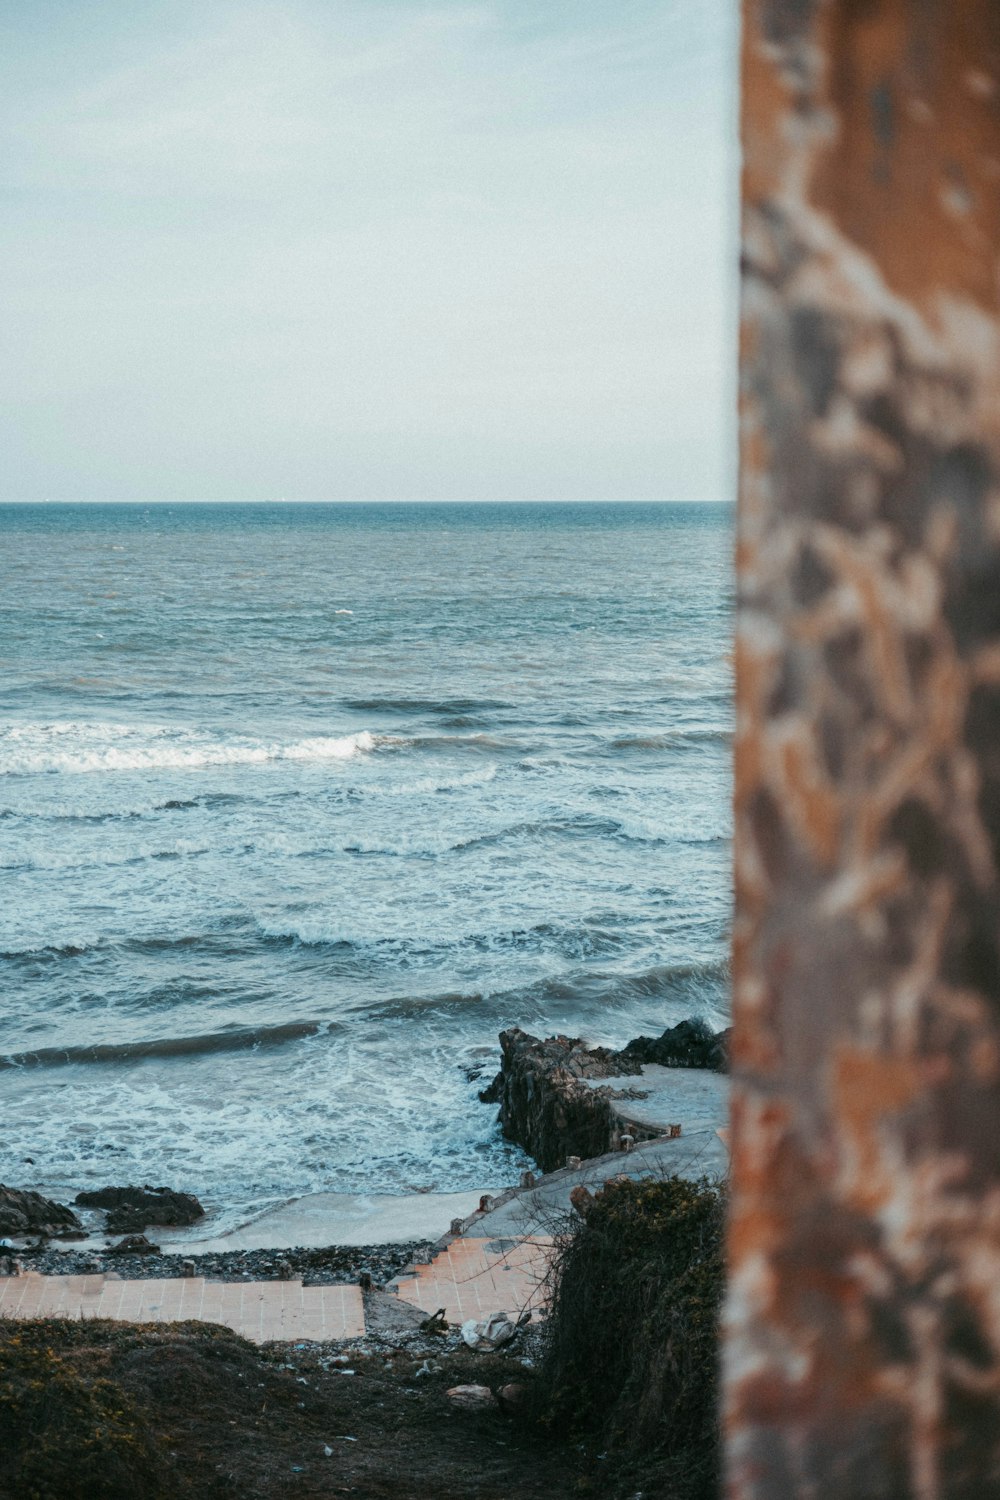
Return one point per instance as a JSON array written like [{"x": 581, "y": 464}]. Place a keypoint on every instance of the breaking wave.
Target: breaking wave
[
  {"x": 73, "y": 748},
  {"x": 236, "y": 1040}
]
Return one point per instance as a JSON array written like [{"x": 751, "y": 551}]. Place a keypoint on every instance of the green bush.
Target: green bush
[
  {"x": 632, "y": 1346},
  {"x": 68, "y": 1432}
]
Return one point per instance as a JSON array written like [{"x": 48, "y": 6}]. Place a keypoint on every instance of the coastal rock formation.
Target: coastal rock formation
[
  {"x": 131, "y": 1209},
  {"x": 689, "y": 1044},
  {"x": 544, "y": 1104},
  {"x": 548, "y": 1108},
  {"x": 24, "y": 1213}
]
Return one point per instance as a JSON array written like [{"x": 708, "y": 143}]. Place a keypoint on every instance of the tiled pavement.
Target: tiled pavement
[
  {"x": 259, "y": 1310},
  {"x": 469, "y": 1278}
]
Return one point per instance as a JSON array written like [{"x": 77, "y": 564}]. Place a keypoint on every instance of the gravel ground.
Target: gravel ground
[{"x": 324, "y": 1267}]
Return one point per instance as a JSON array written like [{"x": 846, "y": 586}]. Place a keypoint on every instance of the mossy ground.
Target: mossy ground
[{"x": 116, "y": 1411}]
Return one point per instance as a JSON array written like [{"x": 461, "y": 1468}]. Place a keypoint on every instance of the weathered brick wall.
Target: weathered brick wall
[{"x": 863, "y": 1322}]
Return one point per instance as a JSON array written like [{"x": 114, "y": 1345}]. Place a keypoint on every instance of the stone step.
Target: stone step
[{"x": 472, "y": 1278}]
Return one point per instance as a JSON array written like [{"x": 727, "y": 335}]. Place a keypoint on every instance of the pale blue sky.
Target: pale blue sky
[{"x": 367, "y": 249}]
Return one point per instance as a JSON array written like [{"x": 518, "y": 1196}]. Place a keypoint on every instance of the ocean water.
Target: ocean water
[{"x": 300, "y": 805}]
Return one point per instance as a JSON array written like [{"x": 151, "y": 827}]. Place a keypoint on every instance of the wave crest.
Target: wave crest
[
  {"x": 235, "y": 1040},
  {"x": 75, "y": 748}
]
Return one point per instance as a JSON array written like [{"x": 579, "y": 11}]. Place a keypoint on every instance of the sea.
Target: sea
[{"x": 300, "y": 805}]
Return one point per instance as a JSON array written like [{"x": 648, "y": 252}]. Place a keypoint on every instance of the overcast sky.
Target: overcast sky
[{"x": 367, "y": 249}]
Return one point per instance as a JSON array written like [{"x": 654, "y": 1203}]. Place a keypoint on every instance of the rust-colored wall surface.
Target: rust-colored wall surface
[{"x": 863, "y": 1321}]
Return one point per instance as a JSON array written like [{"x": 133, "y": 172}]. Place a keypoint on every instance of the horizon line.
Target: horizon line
[{"x": 731, "y": 500}]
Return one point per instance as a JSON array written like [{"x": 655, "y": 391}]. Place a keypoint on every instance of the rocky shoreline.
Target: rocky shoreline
[
  {"x": 552, "y": 1101},
  {"x": 330, "y": 1266}
]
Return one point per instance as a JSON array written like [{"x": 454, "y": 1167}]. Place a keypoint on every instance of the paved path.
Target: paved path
[
  {"x": 259, "y": 1310},
  {"x": 696, "y": 1097},
  {"x": 471, "y": 1278},
  {"x": 538, "y": 1211},
  {"x": 320, "y": 1219}
]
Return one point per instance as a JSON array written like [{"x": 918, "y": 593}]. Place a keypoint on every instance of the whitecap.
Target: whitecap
[{"x": 74, "y": 748}]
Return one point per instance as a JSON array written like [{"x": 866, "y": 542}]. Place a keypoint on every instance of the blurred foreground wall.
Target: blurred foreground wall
[{"x": 863, "y": 1338}]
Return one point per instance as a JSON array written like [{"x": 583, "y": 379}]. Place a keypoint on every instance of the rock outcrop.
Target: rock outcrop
[
  {"x": 134, "y": 1244},
  {"x": 131, "y": 1209},
  {"x": 544, "y": 1104},
  {"x": 25, "y": 1213},
  {"x": 548, "y": 1108},
  {"x": 689, "y": 1044}
]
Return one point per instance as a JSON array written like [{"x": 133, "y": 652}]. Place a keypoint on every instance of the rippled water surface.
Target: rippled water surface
[{"x": 299, "y": 805}]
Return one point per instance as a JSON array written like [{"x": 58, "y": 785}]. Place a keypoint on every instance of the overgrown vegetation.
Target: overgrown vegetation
[
  {"x": 97, "y": 1410},
  {"x": 632, "y": 1348},
  {"x": 67, "y": 1431}
]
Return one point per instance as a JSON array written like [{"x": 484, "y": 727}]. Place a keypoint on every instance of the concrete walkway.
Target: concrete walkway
[
  {"x": 474, "y": 1277},
  {"x": 538, "y": 1211},
  {"x": 469, "y": 1278},
  {"x": 692, "y": 1097},
  {"x": 259, "y": 1310},
  {"x": 320, "y": 1219}
]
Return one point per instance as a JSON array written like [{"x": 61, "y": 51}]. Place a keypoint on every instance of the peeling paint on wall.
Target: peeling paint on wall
[{"x": 863, "y": 1321}]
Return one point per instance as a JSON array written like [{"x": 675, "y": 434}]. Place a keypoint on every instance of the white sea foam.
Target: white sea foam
[
  {"x": 71, "y": 747},
  {"x": 68, "y": 859},
  {"x": 224, "y": 810},
  {"x": 286, "y": 1120}
]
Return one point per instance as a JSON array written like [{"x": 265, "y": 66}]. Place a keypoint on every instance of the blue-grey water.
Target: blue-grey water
[{"x": 299, "y": 805}]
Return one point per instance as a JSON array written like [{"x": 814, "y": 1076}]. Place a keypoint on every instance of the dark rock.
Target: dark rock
[
  {"x": 548, "y": 1108},
  {"x": 130, "y": 1209},
  {"x": 134, "y": 1244},
  {"x": 23, "y": 1213},
  {"x": 493, "y": 1092},
  {"x": 545, "y": 1106},
  {"x": 689, "y": 1044},
  {"x": 512, "y": 1396}
]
